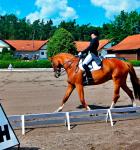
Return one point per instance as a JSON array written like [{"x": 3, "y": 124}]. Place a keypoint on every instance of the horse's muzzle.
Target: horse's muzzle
[{"x": 57, "y": 74}]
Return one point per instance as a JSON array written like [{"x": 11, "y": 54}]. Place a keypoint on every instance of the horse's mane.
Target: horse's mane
[
  {"x": 64, "y": 54},
  {"x": 65, "y": 57}
]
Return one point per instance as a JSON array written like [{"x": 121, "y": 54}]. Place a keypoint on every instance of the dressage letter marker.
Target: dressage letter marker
[
  {"x": 7, "y": 136},
  {"x": 3, "y": 133}
]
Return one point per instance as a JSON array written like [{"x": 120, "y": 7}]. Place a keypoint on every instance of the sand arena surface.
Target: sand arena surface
[{"x": 41, "y": 92}]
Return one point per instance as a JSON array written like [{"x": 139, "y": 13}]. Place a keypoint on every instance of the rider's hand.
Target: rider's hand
[{"x": 80, "y": 54}]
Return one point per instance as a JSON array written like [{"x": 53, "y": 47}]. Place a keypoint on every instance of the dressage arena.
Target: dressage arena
[{"x": 40, "y": 92}]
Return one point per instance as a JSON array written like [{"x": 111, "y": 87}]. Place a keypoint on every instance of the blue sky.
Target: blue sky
[{"x": 95, "y": 12}]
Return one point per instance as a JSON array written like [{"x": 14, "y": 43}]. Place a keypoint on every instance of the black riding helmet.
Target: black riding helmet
[{"x": 95, "y": 32}]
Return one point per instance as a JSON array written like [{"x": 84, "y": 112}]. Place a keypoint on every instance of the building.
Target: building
[
  {"x": 3, "y": 44},
  {"x": 128, "y": 48},
  {"x": 102, "y": 49},
  {"x": 29, "y": 49},
  {"x": 37, "y": 49}
]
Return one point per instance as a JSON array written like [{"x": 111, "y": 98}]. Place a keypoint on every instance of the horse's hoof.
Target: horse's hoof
[
  {"x": 58, "y": 110},
  {"x": 134, "y": 104}
]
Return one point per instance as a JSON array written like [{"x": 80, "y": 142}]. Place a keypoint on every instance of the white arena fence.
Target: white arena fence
[{"x": 68, "y": 118}]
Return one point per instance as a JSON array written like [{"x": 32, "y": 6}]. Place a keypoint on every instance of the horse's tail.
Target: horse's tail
[{"x": 134, "y": 80}]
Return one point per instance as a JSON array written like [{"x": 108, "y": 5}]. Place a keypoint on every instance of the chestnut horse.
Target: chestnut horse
[{"x": 114, "y": 69}]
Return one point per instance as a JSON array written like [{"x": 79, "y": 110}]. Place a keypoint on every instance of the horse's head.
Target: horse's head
[
  {"x": 56, "y": 64},
  {"x": 61, "y": 60}
]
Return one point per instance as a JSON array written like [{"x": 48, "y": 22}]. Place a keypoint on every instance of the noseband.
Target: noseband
[{"x": 58, "y": 71}]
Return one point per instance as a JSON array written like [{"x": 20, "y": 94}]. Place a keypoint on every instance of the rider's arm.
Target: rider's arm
[{"x": 90, "y": 47}]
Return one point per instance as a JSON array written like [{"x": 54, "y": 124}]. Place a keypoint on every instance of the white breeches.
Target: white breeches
[{"x": 88, "y": 59}]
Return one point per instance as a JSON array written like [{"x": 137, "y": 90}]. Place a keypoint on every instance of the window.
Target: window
[{"x": 42, "y": 53}]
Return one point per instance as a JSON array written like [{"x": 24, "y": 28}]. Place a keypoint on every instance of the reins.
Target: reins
[{"x": 69, "y": 66}]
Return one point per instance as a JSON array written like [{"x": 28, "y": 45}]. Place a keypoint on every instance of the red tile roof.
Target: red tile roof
[
  {"x": 129, "y": 43},
  {"x": 34, "y": 45},
  {"x": 81, "y": 45},
  {"x": 26, "y": 45}
]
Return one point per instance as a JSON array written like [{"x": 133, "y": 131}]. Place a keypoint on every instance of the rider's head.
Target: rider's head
[{"x": 94, "y": 33}]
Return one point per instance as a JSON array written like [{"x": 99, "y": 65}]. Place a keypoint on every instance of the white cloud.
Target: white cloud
[
  {"x": 57, "y": 10},
  {"x": 113, "y": 7}
]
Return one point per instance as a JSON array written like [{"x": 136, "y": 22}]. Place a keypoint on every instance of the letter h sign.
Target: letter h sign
[
  {"x": 8, "y": 138},
  {"x": 4, "y": 132}
]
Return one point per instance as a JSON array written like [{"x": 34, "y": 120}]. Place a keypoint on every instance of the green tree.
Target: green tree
[
  {"x": 61, "y": 41},
  {"x": 81, "y": 33},
  {"x": 47, "y": 29},
  {"x": 23, "y": 30},
  {"x": 7, "y": 54},
  {"x": 70, "y": 26},
  {"x": 7, "y": 24},
  {"x": 124, "y": 24},
  {"x": 5, "y": 51}
]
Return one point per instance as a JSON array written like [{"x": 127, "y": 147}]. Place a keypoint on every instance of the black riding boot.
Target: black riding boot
[{"x": 88, "y": 78}]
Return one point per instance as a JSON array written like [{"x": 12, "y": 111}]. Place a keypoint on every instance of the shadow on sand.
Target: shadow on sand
[
  {"x": 24, "y": 148},
  {"x": 102, "y": 107}
]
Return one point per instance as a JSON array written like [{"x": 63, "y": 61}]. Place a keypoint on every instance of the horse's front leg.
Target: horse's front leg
[
  {"x": 80, "y": 91},
  {"x": 69, "y": 90}
]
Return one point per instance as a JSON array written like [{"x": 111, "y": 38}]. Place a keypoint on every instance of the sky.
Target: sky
[{"x": 95, "y": 12}]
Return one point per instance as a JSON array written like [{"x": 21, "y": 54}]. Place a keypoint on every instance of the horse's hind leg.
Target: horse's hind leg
[
  {"x": 129, "y": 93},
  {"x": 117, "y": 85},
  {"x": 69, "y": 90}
]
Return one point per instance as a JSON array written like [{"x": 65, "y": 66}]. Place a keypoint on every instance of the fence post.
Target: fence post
[
  {"x": 68, "y": 120},
  {"x": 110, "y": 117},
  {"x": 23, "y": 124}
]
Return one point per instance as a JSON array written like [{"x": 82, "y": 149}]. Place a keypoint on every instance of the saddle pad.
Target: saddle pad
[{"x": 92, "y": 66}]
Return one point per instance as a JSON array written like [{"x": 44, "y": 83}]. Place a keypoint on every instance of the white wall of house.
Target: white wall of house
[
  {"x": 2, "y": 45},
  {"x": 28, "y": 54},
  {"x": 43, "y": 52},
  {"x": 104, "y": 51},
  {"x": 40, "y": 54}
]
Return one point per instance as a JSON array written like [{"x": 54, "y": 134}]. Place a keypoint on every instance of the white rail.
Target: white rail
[{"x": 46, "y": 119}]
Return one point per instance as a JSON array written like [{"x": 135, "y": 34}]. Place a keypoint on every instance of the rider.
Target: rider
[{"x": 91, "y": 51}]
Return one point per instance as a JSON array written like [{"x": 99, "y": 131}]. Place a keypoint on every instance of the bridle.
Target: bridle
[{"x": 58, "y": 71}]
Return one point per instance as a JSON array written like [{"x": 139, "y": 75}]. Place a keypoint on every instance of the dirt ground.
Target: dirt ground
[{"x": 41, "y": 92}]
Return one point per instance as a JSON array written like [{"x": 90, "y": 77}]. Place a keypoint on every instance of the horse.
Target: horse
[{"x": 112, "y": 69}]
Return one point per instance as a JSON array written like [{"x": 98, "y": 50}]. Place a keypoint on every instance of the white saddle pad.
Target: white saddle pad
[{"x": 92, "y": 66}]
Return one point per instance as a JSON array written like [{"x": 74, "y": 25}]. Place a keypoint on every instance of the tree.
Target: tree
[
  {"x": 61, "y": 41},
  {"x": 7, "y": 54},
  {"x": 5, "y": 51},
  {"x": 81, "y": 33},
  {"x": 124, "y": 24},
  {"x": 23, "y": 30},
  {"x": 47, "y": 29},
  {"x": 70, "y": 26}
]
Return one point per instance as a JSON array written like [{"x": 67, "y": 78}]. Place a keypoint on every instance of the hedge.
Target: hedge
[
  {"x": 135, "y": 62},
  {"x": 26, "y": 64},
  {"x": 39, "y": 63}
]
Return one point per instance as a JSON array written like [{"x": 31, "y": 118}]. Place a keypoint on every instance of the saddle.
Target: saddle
[{"x": 92, "y": 66}]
